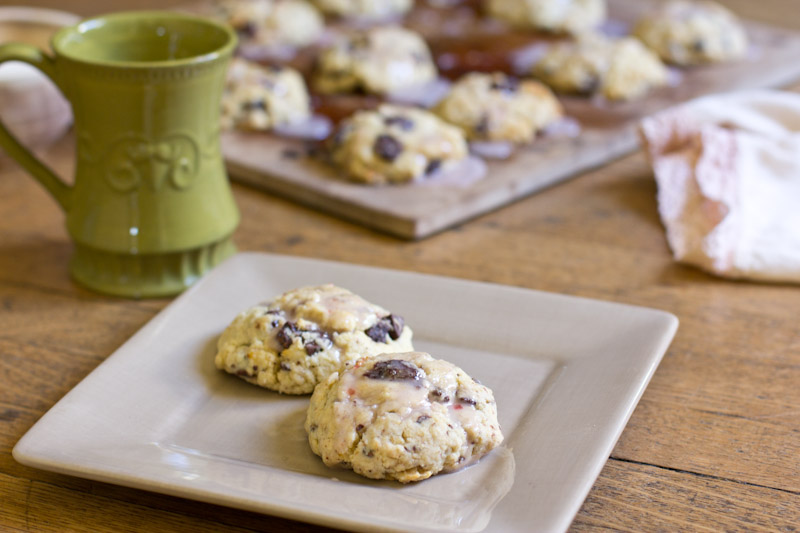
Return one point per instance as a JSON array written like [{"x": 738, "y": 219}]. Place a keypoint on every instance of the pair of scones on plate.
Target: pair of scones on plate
[{"x": 378, "y": 407}]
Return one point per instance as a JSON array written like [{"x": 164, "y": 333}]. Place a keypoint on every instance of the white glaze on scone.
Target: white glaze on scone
[
  {"x": 395, "y": 144},
  {"x": 619, "y": 69},
  {"x": 693, "y": 32},
  {"x": 379, "y": 60},
  {"x": 568, "y": 16},
  {"x": 260, "y": 98},
  {"x": 497, "y": 107},
  {"x": 272, "y": 23},
  {"x": 297, "y": 340},
  {"x": 402, "y": 416}
]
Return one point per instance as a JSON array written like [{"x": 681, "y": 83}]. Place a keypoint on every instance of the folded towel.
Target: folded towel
[{"x": 728, "y": 174}]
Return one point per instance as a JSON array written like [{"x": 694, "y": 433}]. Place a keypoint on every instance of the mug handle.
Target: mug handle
[{"x": 54, "y": 185}]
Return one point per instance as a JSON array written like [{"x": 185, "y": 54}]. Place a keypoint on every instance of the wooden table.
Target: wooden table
[{"x": 713, "y": 445}]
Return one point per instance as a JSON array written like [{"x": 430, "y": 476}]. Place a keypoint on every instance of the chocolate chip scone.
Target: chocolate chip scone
[
  {"x": 560, "y": 16},
  {"x": 260, "y": 98},
  {"x": 693, "y": 32},
  {"x": 380, "y": 60},
  {"x": 365, "y": 9},
  {"x": 402, "y": 416},
  {"x": 295, "y": 341},
  {"x": 272, "y": 23},
  {"x": 497, "y": 107},
  {"x": 619, "y": 69},
  {"x": 395, "y": 144}
]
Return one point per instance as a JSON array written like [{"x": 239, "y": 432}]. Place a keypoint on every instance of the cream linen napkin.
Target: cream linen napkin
[{"x": 728, "y": 174}]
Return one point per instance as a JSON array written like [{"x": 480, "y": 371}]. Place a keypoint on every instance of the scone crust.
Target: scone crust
[
  {"x": 403, "y": 417},
  {"x": 619, "y": 69},
  {"x": 693, "y": 33},
  {"x": 272, "y": 23},
  {"x": 379, "y": 60},
  {"x": 395, "y": 144},
  {"x": 365, "y": 9},
  {"x": 300, "y": 338},
  {"x": 561, "y": 16},
  {"x": 497, "y": 107},
  {"x": 260, "y": 98}
]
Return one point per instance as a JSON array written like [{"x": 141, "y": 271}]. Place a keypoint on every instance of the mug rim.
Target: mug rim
[{"x": 86, "y": 25}]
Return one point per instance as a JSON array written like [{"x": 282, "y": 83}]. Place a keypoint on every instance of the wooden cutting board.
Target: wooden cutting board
[{"x": 278, "y": 165}]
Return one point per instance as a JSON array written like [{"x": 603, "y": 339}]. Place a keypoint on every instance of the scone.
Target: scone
[
  {"x": 395, "y": 144},
  {"x": 259, "y": 98},
  {"x": 619, "y": 69},
  {"x": 560, "y": 16},
  {"x": 402, "y": 416},
  {"x": 365, "y": 9},
  {"x": 295, "y": 341},
  {"x": 380, "y": 60},
  {"x": 692, "y": 33},
  {"x": 272, "y": 23},
  {"x": 497, "y": 107}
]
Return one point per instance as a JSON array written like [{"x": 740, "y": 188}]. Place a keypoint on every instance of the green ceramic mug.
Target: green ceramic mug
[{"x": 151, "y": 208}]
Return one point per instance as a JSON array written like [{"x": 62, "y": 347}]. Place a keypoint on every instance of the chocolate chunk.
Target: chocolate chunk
[
  {"x": 405, "y": 124},
  {"x": 395, "y": 326},
  {"x": 394, "y": 370},
  {"x": 506, "y": 85},
  {"x": 247, "y": 30},
  {"x": 433, "y": 166},
  {"x": 422, "y": 418},
  {"x": 389, "y": 325},
  {"x": 286, "y": 334},
  {"x": 482, "y": 127},
  {"x": 275, "y": 323},
  {"x": 312, "y": 347},
  {"x": 359, "y": 428},
  {"x": 285, "y": 366},
  {"x": 387, "y": 147},
  {"x": 254, "y": 105},
  {"x": 468, "y": 401},
  {"x": 699, "y": 46},
  {"x": 590, "y": 84},
  {"x": 438, "y": 395},
  {"x": 242, "y": 373},
  {"x": 378, "y": 332}
]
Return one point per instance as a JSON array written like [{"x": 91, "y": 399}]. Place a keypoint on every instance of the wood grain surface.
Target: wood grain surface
[{"x": 714, "y": 444}]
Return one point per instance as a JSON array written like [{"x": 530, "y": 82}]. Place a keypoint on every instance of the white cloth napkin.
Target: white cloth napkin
[{"x": 728, "y": 173}]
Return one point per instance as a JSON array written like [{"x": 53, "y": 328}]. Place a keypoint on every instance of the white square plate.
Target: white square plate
[{"x": 567, "y": 373}]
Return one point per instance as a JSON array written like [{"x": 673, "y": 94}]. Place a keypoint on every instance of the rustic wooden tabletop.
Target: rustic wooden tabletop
[{"x": 714, "y": 443}]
